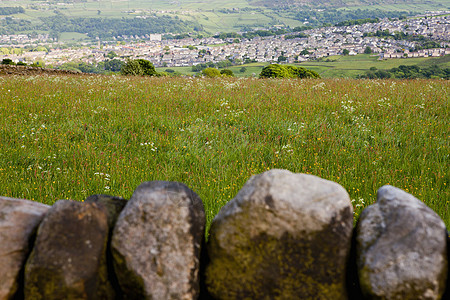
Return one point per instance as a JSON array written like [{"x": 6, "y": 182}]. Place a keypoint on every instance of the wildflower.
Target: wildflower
[{"x": 152, "y": 146}]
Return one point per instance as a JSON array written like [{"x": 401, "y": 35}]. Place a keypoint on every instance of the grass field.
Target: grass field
[
  {"x": 352, "y": 66},
  {"x": 337, "y": 66},
  {"x": 71, "y": 137},
  {"x": 72, "y": 37}
]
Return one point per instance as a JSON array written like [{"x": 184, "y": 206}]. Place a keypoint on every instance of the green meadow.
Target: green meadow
[
  {"x": 352, "y": 66},
  {"x": 336, "y": 66},
  {"x": 69, "y": 137}
]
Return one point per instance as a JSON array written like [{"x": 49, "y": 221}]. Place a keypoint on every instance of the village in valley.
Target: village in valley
[{"x": 383, "y": 39}]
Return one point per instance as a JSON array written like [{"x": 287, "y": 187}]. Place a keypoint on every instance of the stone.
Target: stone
[
  {"x": 401, "y": 248},
  {"x": 157, "y": 241},
  {"x": 68, "y": 260},
  {"x": 284, "y": 236},
  {"x": 447, "y": 285},
  {"x": 113, "y": 205},
  {"x": 19, "y": 220}
]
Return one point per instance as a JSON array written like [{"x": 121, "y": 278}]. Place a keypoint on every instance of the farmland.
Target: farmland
[
  {"x": 206, "y": 16},
  {"x": 69, "y": 137},
  {"x": 336, "y": 66}
]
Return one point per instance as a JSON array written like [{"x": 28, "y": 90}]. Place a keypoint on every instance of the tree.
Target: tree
[
  {"x": 345, "y": 52},
  {"x": 132, "y": 67},
  {"x": 368, "y": 50},
  {"x": 282, "y": 58},
  {"x": 382, "y": 74},
  {"x": 147, "y": 67},
  {"x": 304, "y": 73},
  {"x": 283, "y": 71},
  {"x": 211, "y": 72},
  {"x": 7, "y": 61},
  {"x": 304, "y": 52},
  {"x": 227, "y": 73},
  {"x": 111, "y": 55},
  {"x": 243, "y": 69},
  {"x": 275, "y": 71},
  {"x": 140, "y": 67},
  {"x": 114, "y": 65}
]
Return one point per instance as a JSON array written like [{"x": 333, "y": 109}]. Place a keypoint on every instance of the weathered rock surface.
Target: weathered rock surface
[
  {"x": 401, "y": 248},
  {"x": 157, "y": 240},
  {"x": 19, "y": 220},
  {"x": 447, "y": 289},
  {"x": 284, "y": 236},
  {"x": 68, "y": 260},
  {"x": 113, "y": 205}
]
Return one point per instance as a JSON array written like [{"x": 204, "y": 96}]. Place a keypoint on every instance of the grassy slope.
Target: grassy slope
[
  {"x": 71, "y": 137},
  {"x": 351, "y": 66},
  {"x": 338, "y": 66},
  {"x": 204, "y": 12}
]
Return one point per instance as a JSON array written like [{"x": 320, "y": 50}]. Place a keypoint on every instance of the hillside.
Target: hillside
[
  {"x": 68, "y": 137},
  {"x": 73, "y": 20}
]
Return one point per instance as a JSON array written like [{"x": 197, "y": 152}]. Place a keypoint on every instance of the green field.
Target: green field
[
  {"x": 72, "y": 37},
  {"x": 71, "y": 137},
  {"x": 337, "y": 66},
  {"x": 352, "y": 66}
]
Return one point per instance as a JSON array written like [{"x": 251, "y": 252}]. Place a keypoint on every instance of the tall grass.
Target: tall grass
[{"x": 71, "y": 137}]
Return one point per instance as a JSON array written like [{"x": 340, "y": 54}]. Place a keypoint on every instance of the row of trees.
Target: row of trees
[
  {"x": 8, "y": 10},
  {"x": 142, "y": 67},
  {"x": 9, "y": 25},
  {"x": 218, "y": 65},
  {"x": 213, "y": 72},
  {"x": 335, "y": 16},
  {"x": 262, "y": 33},
  {"x": 136, "y": 67},
  {"x": 358, "y": 22},
  {"x": 409, "y": 72},
  {"x": 8, "y": 61},
  {"x": 108, "y": 28},
  {"x": 104, "y": 28},
  {"x": 104, "y": 67}
]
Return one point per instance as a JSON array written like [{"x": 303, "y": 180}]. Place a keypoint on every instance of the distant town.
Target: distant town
[{"x": 388, "y": 39}]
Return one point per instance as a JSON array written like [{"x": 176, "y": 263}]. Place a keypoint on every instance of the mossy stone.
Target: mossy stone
[{"x": 263, "y": 245}]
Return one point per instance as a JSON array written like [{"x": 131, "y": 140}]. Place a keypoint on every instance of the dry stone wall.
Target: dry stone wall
[
  {"x": 27, "y": 70},
  {"x": 284, "y": 236}
]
